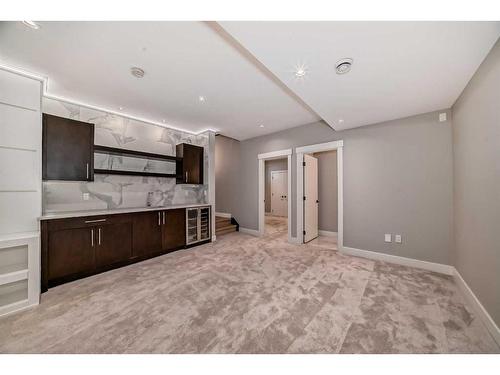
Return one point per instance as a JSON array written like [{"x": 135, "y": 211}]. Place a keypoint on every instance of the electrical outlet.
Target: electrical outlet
[
  {"x": 397, "y": 238},
  {"x": 86, "y": 196},
  {"x": 388, "y": 237}
]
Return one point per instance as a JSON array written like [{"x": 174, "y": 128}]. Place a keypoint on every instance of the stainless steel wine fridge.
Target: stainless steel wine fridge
[{"x": 197, "y": 224}]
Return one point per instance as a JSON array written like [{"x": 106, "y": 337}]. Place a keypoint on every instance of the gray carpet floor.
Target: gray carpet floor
[{"x": 244, "y": 294}]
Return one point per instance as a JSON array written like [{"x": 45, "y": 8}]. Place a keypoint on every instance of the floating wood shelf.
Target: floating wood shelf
[
  {"x": 134, "y": 154},
  {"x": 134, "y": 173},
  {"x": 138, "y": 154}
]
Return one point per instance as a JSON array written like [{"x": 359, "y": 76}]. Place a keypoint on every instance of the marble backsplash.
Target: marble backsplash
[{"x": 117, "y": 191}]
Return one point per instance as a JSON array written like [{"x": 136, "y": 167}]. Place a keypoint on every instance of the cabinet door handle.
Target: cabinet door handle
[
  {"x": 92, "y": 237},
  {"x": 163, "y": 217},
  {"x": 87, "y": 171},
  {"x": 94, "y": 221},
  {"x": 187, "y": 176},
  {"x": 99, "y": 236},
  {"x": 159, "y": 218}
]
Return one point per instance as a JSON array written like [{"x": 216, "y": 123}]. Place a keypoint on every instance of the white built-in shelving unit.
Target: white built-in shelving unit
[
  {"x": 19, "y": 271},
  {"x": 20, "y": 189}
]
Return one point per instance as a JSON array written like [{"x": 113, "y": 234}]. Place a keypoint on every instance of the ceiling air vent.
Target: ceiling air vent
[
  {"x": 137, "y": 72},
  {"x": 343, "y": 66}
]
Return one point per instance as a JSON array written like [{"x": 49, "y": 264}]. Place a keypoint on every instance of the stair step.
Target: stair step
[
  {"x": 225, "y": 230},
  {"x": 226, "y": 225},
  {"x": 222, "y": 223}
]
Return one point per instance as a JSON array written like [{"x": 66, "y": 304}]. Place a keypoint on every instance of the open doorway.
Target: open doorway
[
  {"x": 276, "y": 196},
  {"x": 326, "y": 201},
  {"x": 319, "y": 195},
  {"x": 274, "y": 191}
]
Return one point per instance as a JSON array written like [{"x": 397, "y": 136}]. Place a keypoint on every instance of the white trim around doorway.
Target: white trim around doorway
[
  {"x": 300, "y": 151},
  {"x": 262, "y": 171}
]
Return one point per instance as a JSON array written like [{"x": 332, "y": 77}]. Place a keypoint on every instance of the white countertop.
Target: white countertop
[{"x": 70, "y": 214}]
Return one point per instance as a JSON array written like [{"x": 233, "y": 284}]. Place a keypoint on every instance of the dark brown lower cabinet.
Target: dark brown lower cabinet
[
  {"x": 147, "y": 238},
  {"x": 71, "y": 252},
  {"x": 174, "y": 230},
  {"x": 113, "y": 243},
  {"x": 78, "y": 247}
]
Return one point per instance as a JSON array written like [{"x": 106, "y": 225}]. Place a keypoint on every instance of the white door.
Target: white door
[
  {"x": 311, "y": 198},
  {"x": 279, "y": 193}
]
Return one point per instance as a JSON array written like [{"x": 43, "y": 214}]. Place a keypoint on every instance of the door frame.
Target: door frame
[
  {"x": 273, "y": 172},
  {"x": 300, "y": 151},
  {"x": 261, "y": 181}
]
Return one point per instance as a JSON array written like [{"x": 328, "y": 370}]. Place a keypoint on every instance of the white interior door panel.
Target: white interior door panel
[
  {"x": 279, "y": 193},
  {"x": 311, "y": 198}
]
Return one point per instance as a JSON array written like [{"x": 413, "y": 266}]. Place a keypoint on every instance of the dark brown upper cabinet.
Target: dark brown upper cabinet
[
  {"x": 67, "y": 149},
  {"x": 190, "y": 168}
]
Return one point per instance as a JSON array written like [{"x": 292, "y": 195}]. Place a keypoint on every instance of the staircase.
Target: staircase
[{"x": 223, "y": 225}]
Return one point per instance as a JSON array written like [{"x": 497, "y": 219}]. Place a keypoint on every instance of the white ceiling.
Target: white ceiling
[
  {"x": 245, "y": 69},
  {"x": 90, "y": 62},
  {"x": 400, "y": 68}
]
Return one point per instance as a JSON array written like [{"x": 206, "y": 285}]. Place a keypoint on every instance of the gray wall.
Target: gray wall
[
  {"x": 397, "y": 179},
  {"x": 227, "y": 169},
  {"x": 476, "y": 157},
  {"x": 327, "y": 190},
  {"x": 272, "y": 165}
]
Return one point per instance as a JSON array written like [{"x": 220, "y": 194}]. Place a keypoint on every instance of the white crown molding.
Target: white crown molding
[
  {"x": 46, "y": 94},
  {"x": 25, "y": 73}
]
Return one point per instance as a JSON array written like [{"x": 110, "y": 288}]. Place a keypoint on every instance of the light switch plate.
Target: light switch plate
[
  {"x": 442, "y": 117},
  {"x": 388, "y": 237},
  {"x": 397, "y": 238},
  {"x": 86, "y": 196}
]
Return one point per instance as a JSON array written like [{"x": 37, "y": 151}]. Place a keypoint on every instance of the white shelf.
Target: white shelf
[
  {"x": 13, "y": 273},
  {"x": 14, "y": 292}
]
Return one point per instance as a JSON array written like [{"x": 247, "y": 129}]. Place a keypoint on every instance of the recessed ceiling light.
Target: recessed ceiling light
[
  {"x": 163, "y": 120},
  {"x": 137, "y": 72},
  {"x": 300, "y": 71},
  {"x": 202, "y": 98},
  {"x": 341, "y": 121},
  {"x": 31, "y": 24},
  {"x": 120, "y": 108},
  {"x": 343, "y": 66},
  {"x": 261, "y": 126}
]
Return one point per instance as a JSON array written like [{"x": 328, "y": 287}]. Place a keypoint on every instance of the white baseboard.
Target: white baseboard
[
  {"x": 429, "y": 266},
  {"x": 469, "y": 295},
  {"x": 251, "y": 232},
  {"x": 327, "y": 233},
  {"x": 477, "y": 306},
  {"x": 16, "y": 307},
  {"x": 223, "y": 214}
]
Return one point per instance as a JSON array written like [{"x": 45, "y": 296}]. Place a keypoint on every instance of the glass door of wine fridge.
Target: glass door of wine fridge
[
  {"x": 197, "y": 224},
  {"x": 204, "y": 223},
  {"x": 192, "y": 235}
]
